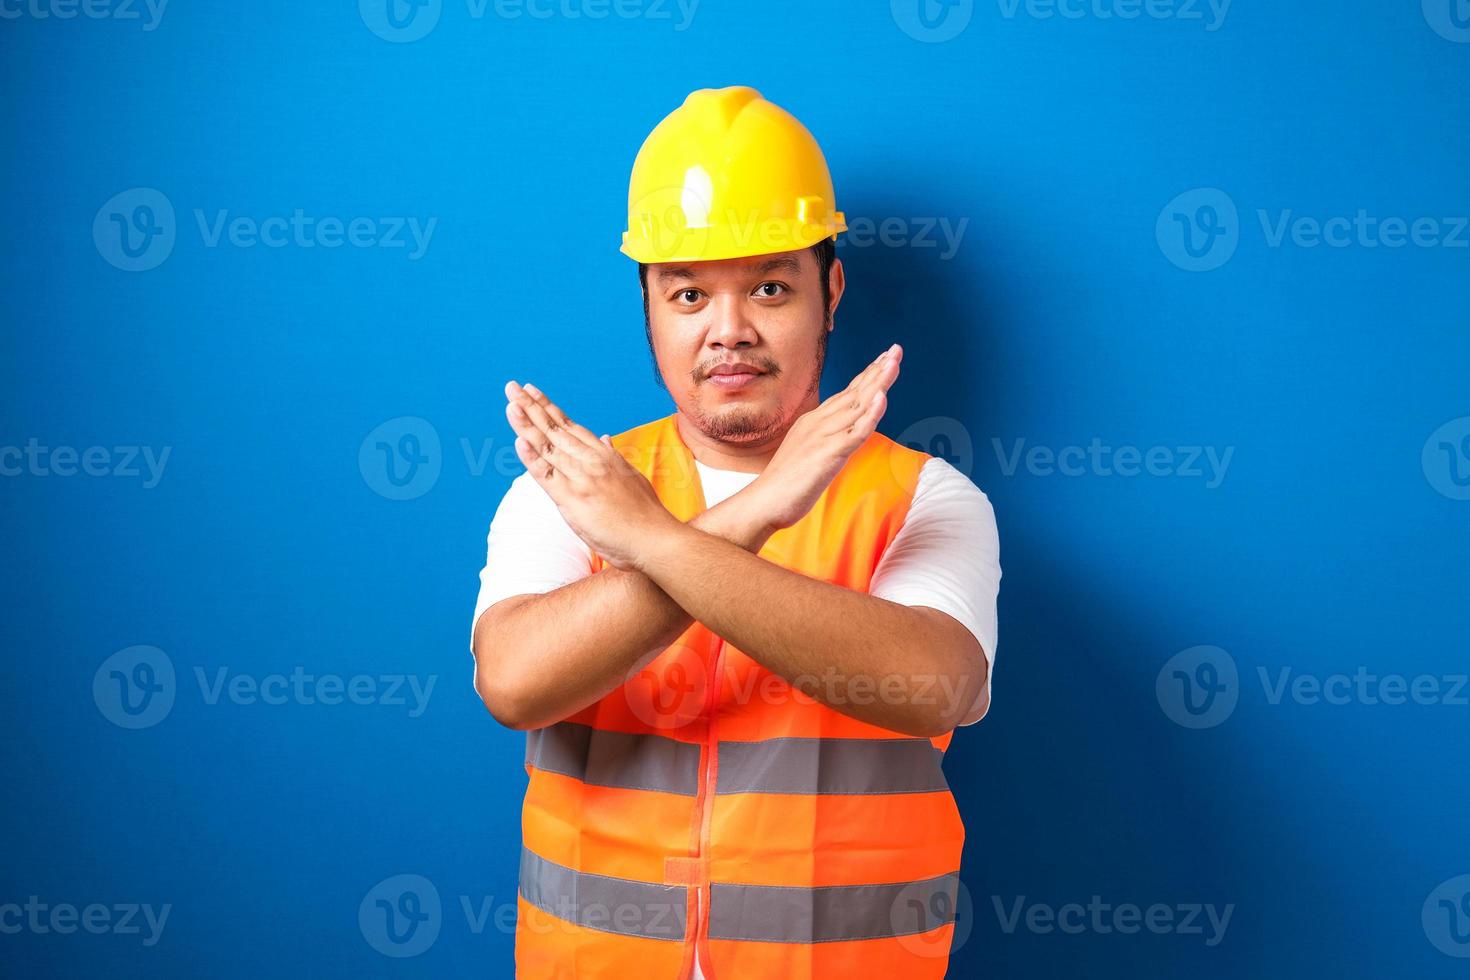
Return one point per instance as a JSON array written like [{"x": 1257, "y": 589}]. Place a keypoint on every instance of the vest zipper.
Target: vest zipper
[{"x": 706, "y": 808}]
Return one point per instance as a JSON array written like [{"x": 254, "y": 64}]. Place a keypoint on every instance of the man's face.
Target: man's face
[{"x": 740, "y": 342}]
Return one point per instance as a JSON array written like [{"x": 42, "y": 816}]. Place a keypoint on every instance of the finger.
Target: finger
[
  {"x": 867, "y": 420},
  {"x": 846, "y": 407},
  {"x": 887, "y": 372},
  {"x": 550, "y": 436},
  {"x": 540, "y": 456},
  {"x": 541, "y": 470},
  {"x": 587, "y": 461},
  {"x": 565, "y": 436},
  {"x": 881, "y": 379},
  {"x": 850, "y": 399},
  {"x": 875, "y": 365},
  {"x": 620, "y": 459},
  {"x": 554, "y": 411},
  {"x": 518, "y": 419},
  {"x": 881, "y": 372},
  {"x": 863, "y": 375},
  {"x": 527, "y": 430}
]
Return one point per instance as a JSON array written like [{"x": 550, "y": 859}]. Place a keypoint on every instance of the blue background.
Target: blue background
[{"x": 1063, "y": 317}]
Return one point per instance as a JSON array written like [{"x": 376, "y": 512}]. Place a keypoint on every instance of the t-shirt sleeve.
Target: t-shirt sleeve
[
  {"x": 530, "y": 548},
  {"x": 947, "y": 557}
]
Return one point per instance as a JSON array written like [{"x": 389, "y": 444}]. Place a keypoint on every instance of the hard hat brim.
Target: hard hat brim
[{"x": 729, "y": 241}]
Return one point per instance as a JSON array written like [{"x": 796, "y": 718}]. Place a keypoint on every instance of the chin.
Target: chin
[{"x": 738, "y": 422}]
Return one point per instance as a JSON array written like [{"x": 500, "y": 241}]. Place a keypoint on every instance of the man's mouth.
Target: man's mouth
[{"x": 734, "y": 377}]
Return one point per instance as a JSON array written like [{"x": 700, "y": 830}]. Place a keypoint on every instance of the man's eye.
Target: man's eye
[
  {"x": 770, "y": 290},
  {"x": 690, "y": 296}
]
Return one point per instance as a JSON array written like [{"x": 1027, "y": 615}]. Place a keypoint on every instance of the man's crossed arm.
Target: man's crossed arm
[{"x": 542, "y": 658}]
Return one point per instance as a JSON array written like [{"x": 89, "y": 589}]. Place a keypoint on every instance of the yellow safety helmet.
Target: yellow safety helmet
[{"x": 727, "y": 175}]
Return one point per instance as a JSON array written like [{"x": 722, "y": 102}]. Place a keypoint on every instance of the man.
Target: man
[{"x": 738, "y": 637}]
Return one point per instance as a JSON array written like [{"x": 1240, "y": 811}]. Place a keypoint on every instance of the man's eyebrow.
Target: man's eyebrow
[
  {"x": 784, "y": 263},
  {"x": 674, "y": 274},
  {"x": 679, "y": 273}
]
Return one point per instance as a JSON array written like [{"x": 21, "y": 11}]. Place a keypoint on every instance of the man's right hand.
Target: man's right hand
[{"x": 818, "y": 444}]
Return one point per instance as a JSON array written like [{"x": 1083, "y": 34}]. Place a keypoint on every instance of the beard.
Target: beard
[
  {"x": 740, "y": 424},
  {"x": 744, "y": 424}
]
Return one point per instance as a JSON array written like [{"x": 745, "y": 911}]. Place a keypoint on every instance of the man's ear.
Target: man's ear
[{"x": 838, "y": 284}]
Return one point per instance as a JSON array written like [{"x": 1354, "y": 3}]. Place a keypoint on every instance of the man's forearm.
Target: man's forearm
[
  {"x": 913, "y": 670},
  {"x": 541, "y": 658}
]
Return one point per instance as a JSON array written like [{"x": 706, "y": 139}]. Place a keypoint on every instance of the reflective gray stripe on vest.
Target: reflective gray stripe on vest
[
  {"x": 618, "y": 759},
  {"x": 620, "y": 905},
  {"x": 780, "y": 914},
  {"x": 831, "y": 765}
]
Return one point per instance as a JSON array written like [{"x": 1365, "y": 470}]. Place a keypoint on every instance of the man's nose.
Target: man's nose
[{"x": 732, "y": 326}]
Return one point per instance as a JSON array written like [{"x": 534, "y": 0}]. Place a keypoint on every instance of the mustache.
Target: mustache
[{"x": 763, "y": 364}]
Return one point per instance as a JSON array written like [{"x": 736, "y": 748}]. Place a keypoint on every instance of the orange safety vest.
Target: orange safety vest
[{"x": 708, "y": 808}]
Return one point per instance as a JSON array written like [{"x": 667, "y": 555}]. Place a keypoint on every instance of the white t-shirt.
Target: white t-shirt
[{"x": 945, "y": 556}]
